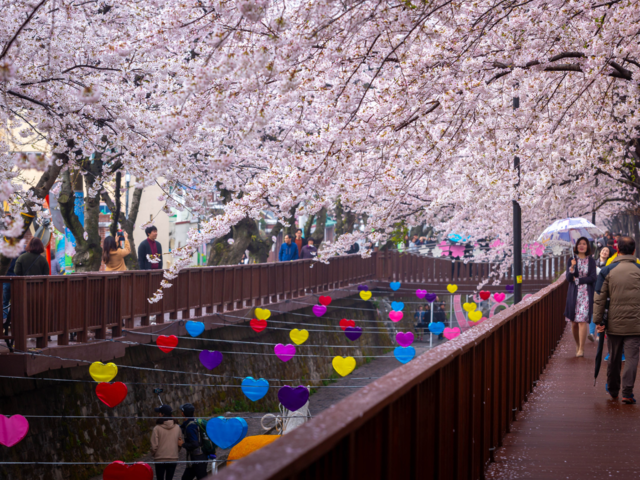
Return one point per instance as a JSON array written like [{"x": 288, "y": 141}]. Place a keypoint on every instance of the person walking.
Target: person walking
[
  {"x": 166, "y": 440},
  {"x": 300, "y": 242},
  {"x": 288, "y": 250},
  {"x": 193, "y": 444},
  {"x": 32, "y": 262},
  {"x": 112, "y": 256},
  {"x": 617, "y": 292},
  {"x": 581, "y": 275},
  {"x": 152, "y": 248},
  {"x": 601, "y": 262},
  {"x": 309, "y": 250},
  {"x": 419, "y": 326}
]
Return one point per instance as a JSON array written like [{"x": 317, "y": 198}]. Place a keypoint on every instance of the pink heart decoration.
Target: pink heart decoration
[
  {"x": 451, "y": 333},
  {"x": 319, "y": 310},
  {"x": 404, "y": 339},
  {"x": 499, "y": 297},
  {"x": 12, "y": 429},
  {"x": 421, "y": 293},
  {"x": 285, "y": 352},
  {"x": 395, "y": 316}
]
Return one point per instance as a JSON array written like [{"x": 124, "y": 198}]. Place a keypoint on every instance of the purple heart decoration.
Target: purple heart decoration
[
  {"x": 509, "y": 288},
  {"x": 353, "y": 333},
  {"x": 293, "y": 398},
  {"x": 210, "y": 359},
  {"x": 430, "y": 297},
  {"x": 284, "y": 352},
  {"x": 362, "y": 288},
  {"x": 404, "y": 339},
  {"x": 319, "y": 310},
  {"x": 421, "y": 293}
]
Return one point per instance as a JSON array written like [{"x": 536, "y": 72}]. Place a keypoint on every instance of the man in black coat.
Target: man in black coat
[{"x": 152, "y": 248}]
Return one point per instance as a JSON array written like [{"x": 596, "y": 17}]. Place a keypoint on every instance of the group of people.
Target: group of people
[
  {"x": 168, "y": 437},
  {"x": 605, "y": 290},
  {"x": 423, "y": 317},
  {"x": 149, "y": 251},
  {"x": 299, "y": 248}
]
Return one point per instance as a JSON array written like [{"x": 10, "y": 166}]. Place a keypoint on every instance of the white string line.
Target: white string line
[
  {"x": 106, "y": 417},
  {"x": 101, "y": 463}
]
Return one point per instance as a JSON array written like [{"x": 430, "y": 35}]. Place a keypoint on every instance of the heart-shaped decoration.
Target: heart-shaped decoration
[
  {"x": 210, "y": 360},
  {"x": 397, "y": 306},
  {"x": 284, "y": 352},
  {"x": 499, "y": 297},
  {"x": 430, "y": 297},
  {"x": 452, "y": 288},
  {"x": 475, "y": 315},
  {"x": 298, "y": 336},
  {"x": 344, "y": 323},
  {"x": 293, "y": 398},
  {"x": 436, "y": 328},
  {"x": 365, "y": 295},
  {"x": 421, "y": 293},
  {"x": 254, "y": 389},
  {"x": 121, "y": 471},
  {"x": 262, "y": 313},
  {"x": 194, "y": 328},
  {"x": 13, "y": 429},
  {"x": 257, "y": 325},
  {"x": 111, "y": 394},
  {"x": 319, "y": 310},
  {"x": 395, "y": 286},
  {"x": 404, "y": 339},
  {"x": 103, "y": 373},
  {"x": 404, "y": 354},
  {"x": 469, "y": 307},
  {"x": 343, "y": 365},
  {"x": 167, "y": 343},
  {"x": 451, "y": 333},
  {"x": 509, "y": 288},
  {"x": 325, "y": 300},
  {"x": 227, "y": 432},
  {"x": 362, "y": 288},
  {"x": 484, "y": 295},
  {"x": 353, "y": 333},
  {"x": 395, "y": 316}
]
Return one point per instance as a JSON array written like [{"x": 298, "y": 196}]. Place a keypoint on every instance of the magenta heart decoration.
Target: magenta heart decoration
[
  {"x": 13, "y": 429},
  {"x": 404, "y": 339},
  {"x": 293, "y": 398},
  {"x": 499, "y": 297},
  {"x": 210, "y": 359},
  {"x": 451, "y": 333},
  {"x": 421, "y": 293},
  {"x": 284, "y": 352},
  {"x": 430, "y": 297},
  {"x": 353, "y": 333},
  {"x": 319, "y": 310},
  {"x": 395, "y": 316}
]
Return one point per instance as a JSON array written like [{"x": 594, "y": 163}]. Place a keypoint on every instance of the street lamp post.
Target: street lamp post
[
  {"x": 517, "y": 231},
  {"x": 127, "y": 178}
]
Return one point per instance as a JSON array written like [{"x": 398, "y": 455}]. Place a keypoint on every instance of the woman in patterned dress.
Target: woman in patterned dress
[{"x": 581, "y": 275}]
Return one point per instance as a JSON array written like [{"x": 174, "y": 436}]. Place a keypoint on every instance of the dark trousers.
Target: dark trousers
[
  {"x": 165, "y": 471},
  {"x": 6, "y": 298},
  {"x": 196, "y": 470},
  {"x": 630, "y": 345}
]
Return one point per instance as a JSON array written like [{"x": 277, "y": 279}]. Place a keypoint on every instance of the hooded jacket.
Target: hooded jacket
[
  {"x": 619, "y": 282},
  {"x": 164, "y": 441}
]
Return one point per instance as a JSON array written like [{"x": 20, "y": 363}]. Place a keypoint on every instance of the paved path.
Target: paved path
[{"x": 570, "y": 429}]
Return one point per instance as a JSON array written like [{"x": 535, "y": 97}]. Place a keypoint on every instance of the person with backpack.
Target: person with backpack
[
  {"x": 32, "y": 262},
  {"x": 196, "y": 443},
  {"x": 166, "y": 440}
]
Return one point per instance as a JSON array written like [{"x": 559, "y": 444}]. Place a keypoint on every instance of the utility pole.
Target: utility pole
[
  {"x": 593, "y": 212},
  {"x": 127, "y": 178},
  {"x": 517, "y": 230}
]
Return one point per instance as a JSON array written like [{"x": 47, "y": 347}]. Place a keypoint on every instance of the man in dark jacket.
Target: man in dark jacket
[
  {"x": 618, "y": 284},
  {"x": 355, "y": 248},
  {"x": 152, "y": 248},
  {"x": 288, "y": 250},
  {"x": 6, "y": 289},
  {"x": 309, "y": 251},
  {"x": 193, "y": 445}
]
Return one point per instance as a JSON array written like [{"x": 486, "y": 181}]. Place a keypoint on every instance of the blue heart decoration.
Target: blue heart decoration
[
  {"x": 227, "y": 432},
  {"x": 397, "y": 306},
  {"x": 194, "y": 328},
  {"x": 436, "y": 327},
  {"x": 394, "y": 286},
  {"x": 404, "y": 354},
  {"x": 254, "y": 389}
]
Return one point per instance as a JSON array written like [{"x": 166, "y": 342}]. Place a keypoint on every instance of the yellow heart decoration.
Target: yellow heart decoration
[
  {"x": 475, "y": 316},
  {"x": 365, "y": 294},
  {"x": 452, "y": 288},
  {"x": 298, "y": 336},
  {"x": 344, "y": 365},
  {"x": 262, "y": 313},
  {"x": 469, "y": 307},
  {"x": 103, "y": 373}
]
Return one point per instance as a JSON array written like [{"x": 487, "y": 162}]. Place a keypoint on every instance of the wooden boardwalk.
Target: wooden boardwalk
[{"x": 570, "y": 429}]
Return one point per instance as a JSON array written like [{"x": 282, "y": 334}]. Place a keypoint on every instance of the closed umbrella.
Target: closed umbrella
[{"x": 601, "y": 344}]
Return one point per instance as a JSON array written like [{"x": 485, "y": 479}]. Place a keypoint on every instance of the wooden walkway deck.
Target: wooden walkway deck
[{"x": 570, "y": 429}]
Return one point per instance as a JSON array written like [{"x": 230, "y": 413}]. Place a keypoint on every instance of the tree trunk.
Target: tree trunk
[{"x": 321, "y": 223}]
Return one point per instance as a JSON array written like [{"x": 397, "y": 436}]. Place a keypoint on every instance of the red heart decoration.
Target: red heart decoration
[
  {"x": 344, "y": 323},
  {"x": 111, "y": 394},
  {"x": 324, "y": 301},
  {"x": 258, "y": 325},
  {"x": 120, "y": 471},
  {"x": 485, "y": 295},
  {"x": 166, "y": 344}
]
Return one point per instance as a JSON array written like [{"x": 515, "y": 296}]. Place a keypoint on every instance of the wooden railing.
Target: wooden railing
[
  {"x": 441, "y": 416},
  {"x": 84, "y": 304}
]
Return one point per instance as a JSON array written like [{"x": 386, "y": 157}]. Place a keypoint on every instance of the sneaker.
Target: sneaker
[
  {"x": 590, "y": 337},
  {"x": 629, "y": 400},
  {"x": 606, "y": 387}
]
